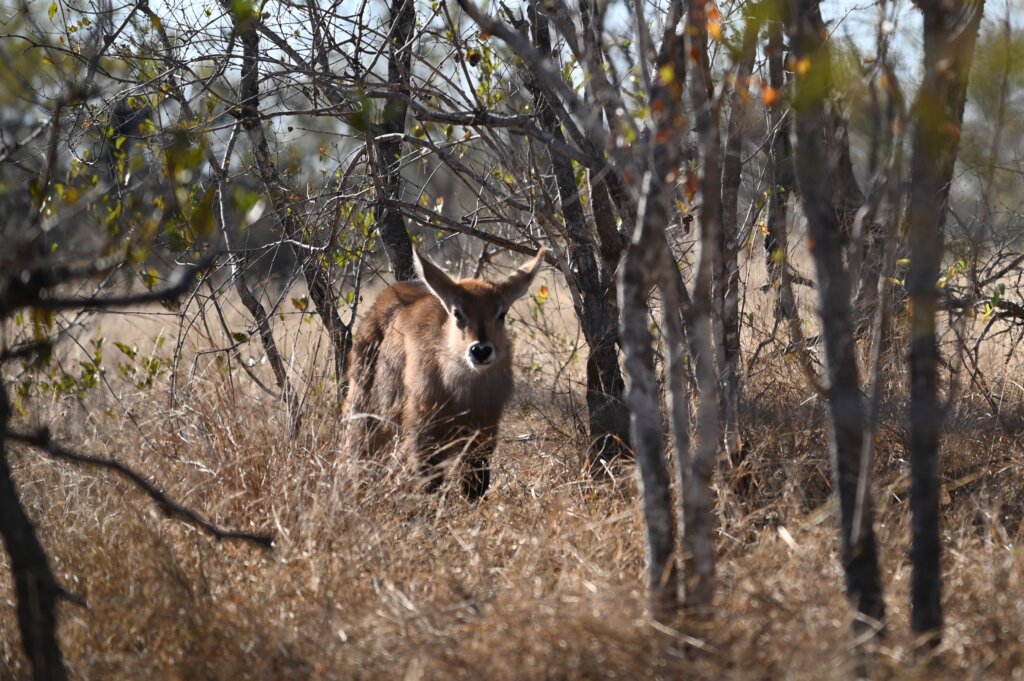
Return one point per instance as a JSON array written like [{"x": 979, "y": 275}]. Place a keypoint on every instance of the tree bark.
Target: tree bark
[
  {"x": 611, "y": 240},
  {"x": 728, "y": 274},
  {"x": 635, "y": 285},
  {"x": 950, "y": 32},
  {"x": 846, "y": 406},
  {"x": 648, "y": 262},
  {"x": 236, "y": 262},
  {"x": 34, "y": 584},
  {"x": 598, "y": 314},
  {"x": 320, "y": 291},
  {"x": 645, "y": 263},
  {"x": 390, "y": 223},
  {"x": 698, "y": 519},
  {"x": 776, "y": 241}
]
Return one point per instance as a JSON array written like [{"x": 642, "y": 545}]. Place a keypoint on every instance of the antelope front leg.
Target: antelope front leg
[{"x": 477, "y": 477}]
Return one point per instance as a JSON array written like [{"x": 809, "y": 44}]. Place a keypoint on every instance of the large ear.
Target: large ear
[
  {"x": 518, "y": 284},
  {"x": 439, "y": 283}
]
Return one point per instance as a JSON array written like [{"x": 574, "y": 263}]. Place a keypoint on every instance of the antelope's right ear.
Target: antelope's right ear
[{"x": 439, "y": 283}]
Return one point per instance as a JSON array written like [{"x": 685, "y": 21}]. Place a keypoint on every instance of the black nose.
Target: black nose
[{"x": 481, "y": 353}]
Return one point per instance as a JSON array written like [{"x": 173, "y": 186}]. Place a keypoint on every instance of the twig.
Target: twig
[
  {"x": 428, "y": 217},
  {"x": 9, "y": 150}
]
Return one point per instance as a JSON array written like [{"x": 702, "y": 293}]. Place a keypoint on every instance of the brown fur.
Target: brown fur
[{"x": 412, "y": 374}]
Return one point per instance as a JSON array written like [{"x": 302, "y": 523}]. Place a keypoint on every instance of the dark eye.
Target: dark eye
[
  {"x": 458, "y": 316},
  {"x": 501, "y": 316}
]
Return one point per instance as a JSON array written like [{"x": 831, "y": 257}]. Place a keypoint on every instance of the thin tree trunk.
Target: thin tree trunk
[
  {"x": 846, "y": 406},
  {"x": 889, "y": 189},
  {"x": 776, "y": 241},
  {"x": 286, "y": 213},
  {"x": 698, "y": 519},
  {"x": 34, "y": 584},
  {"x": 599, "y": 314},
  {"x": 728, "y": 275},
  {"x": 865, "y": 258},
  {"x": 635, "y": 285},
  {"x": 601, "y": 93},
  {"x": 612, "y": 241},
  {"x": 598, "y": 86},
  {"x": 648, "y": 261},
  {"x": 390, "y": 223},
  {"x": 251, "y": 302},
  {"x": 950, "y": 32},
  {"x": 781, "y": 158},
  {"x": 645, "y": 262}
]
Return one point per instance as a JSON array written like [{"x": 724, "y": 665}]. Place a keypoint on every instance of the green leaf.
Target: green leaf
[
  {"x": 52, "y": 12},
  {"x": 361, "y": 119},
  {"x": 126, "y": 349},
  {"x": 243, "y": 9},
  {"x": 203, "y": 216}
]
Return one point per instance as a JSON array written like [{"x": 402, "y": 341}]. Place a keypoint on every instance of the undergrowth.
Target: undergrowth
[{"x": 542, "y": 579}]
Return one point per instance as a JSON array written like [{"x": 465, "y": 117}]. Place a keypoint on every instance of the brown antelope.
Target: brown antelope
[{"x": 432, "y": 364}]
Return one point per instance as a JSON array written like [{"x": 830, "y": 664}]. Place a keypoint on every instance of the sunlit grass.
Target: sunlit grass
[{"x": 541, "y": 579}]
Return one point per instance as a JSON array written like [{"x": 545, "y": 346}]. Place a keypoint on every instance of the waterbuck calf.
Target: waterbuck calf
[{"x": 432, "y": 364}]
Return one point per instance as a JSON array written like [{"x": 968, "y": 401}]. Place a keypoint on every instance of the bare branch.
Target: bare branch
[
  {"x": 42, "y": 440},
  {"x": 32, "y": 289}
]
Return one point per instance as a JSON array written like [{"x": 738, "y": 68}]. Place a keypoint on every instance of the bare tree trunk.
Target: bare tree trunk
[
  {"x": 728, "y": 275},
  {"x": 846, "y": 406},
  {"x": 287, "y": 215},
  {"x": 865, "y": 257},
  {"x": 34, "y": 584},
  {"x": 847, "y": 200},
  {"x": 599, "y": 314},
  {"x": 646, "y": 425},
  {"x": 950, "y": 32},
  {"x": 390, "y": 223},
  {"x": 783, "y": 182},
  {"x": 698, "y": 519},
  {"x": 648, "y": 262},
  {"x": 252, "y": 303},
  {"x": 611, "y": 240},
  {"x": 644, "y": 263},
  {"x": 776, "y": 242}
]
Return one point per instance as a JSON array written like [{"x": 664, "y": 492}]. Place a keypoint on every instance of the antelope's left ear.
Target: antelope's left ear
[{"x": 516, "y": 286}]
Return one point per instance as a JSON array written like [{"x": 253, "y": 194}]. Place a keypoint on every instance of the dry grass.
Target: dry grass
[{"x": 540, "y": 580}]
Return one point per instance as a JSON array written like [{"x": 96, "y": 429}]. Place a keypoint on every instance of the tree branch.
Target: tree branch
[
  {"x": 31, "y": 289},
  {"x": 42, "y": 440}
]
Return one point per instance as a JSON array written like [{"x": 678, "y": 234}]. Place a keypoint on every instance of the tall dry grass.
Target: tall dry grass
[{"x": 542, "y": 579}]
